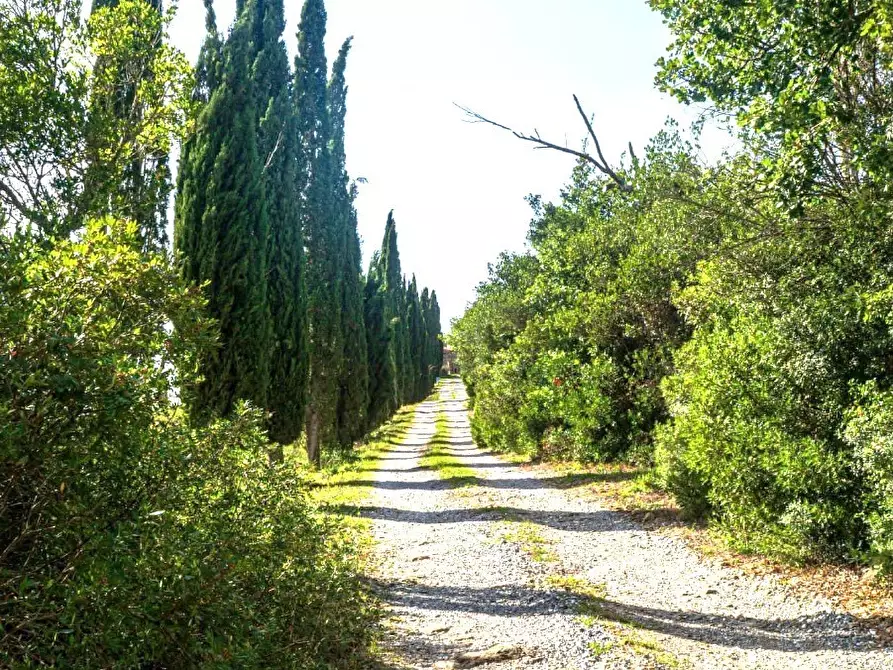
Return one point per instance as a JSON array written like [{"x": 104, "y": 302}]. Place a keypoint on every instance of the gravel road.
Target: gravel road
[{"x": 504, "y": 559}]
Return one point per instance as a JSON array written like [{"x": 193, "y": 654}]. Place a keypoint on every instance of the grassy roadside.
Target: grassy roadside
[
  {"x": 337, "y": 490},
  {"x": 628, "y": 636},
  {"x": 334, "y": 488}
]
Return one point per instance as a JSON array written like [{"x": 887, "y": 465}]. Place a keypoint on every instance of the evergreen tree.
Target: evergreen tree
[
  {"x": 430, "y": 335},
  {"x": 435, "y": 332},
  {"x": 414, "y": 328},
  {"x": 195, "y": 156},
  {"x": 353, "y": 384},
  {"x": 406, "y": 375},
  {"x": 222, "y": 229},
  {"x": 380, "y": 366},
  {"x": 320, "y": 232},
  {"x": 278, "y": 144},
  {"x": 391, "y": 280}
]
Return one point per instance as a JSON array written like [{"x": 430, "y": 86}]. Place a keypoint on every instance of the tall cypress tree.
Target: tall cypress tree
[
  {"x": 378, "y": 346},
  {"x": 435, "y": 332},
  {"x": 222, "y": 227},
  {"x": 405, "y": 355},
  {"x": 320, "y": 232},
  {"x": 354, "y": 379},
  {"x": 196, "y": 155},
  {"x": 414, "y": 328},
  {"x": 279, "y": 147},
  {"x": 427, "y": 344},
  {"x": 392, "y": 304}
]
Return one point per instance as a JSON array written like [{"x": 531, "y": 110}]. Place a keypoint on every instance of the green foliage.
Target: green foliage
[
  {"x": 868, "y": 430},
  {"x": 279, "y": 150},
  {"x": 431, "y": 346},
  {"x": 402, "y": 333},
  {"x": 321, "y": 231},
  {"x": 353, "y": 392},
  {"x": 132, "y": 535},
  {"x": 563, "y": 351},
  {"x": 808, "y": 79},
  {"x": 132, "y": 77},
  {"x": 129, "y": 537},
  {"x": 743, "y": 447},
  {"x": 792, "y": 329},
  {"x": 417, "y": 389},
  {"x": 68, "y": 150},
  {"x": 381, "y": 365},
  {"x": 386, "y": 392},
  {"x": 222, "y": 228},
  {"x": 737, "y": 316}
]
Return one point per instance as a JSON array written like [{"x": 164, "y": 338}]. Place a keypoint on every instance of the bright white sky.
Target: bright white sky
[{"x": 457, "y": 189}]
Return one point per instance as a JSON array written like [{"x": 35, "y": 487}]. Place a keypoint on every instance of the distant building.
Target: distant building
[{"x": 450, "y": 366}]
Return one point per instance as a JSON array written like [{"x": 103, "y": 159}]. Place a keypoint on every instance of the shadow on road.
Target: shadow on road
[
  {"x": 562, "y": 482},
  {"x": 807, "y": 633},
  {"x": 583, "y": 522}
]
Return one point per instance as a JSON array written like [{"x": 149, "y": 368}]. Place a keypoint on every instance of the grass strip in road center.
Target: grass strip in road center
[
  {"x": 529, "y": 538},
  {"x": 439, "y": 457},
  {"x": 595, "y": 609}
]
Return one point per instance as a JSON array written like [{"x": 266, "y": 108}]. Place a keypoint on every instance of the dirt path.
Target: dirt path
[{"x": 515, "y": 560}]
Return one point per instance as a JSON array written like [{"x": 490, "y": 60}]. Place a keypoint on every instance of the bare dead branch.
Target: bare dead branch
[
  {"x": 272, "y": 153},
  {"x": 29, "y": 214},
  {"x": 598, "y": 162}
]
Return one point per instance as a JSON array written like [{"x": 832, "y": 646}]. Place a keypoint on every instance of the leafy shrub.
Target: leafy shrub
[
  {"x": 563, "y": 351},
  {"x": 129, "y": 538},
  {"x": 869, "y": 430},
  {"x": 735, "y": 449}
]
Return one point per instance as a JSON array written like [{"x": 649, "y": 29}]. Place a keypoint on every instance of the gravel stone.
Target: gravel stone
[{"x": 455, "y": 584}]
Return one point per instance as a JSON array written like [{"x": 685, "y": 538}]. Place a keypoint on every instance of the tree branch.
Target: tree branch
[
  {"x": 12, "y": 198},
  {"x": 599, "y": 162}
]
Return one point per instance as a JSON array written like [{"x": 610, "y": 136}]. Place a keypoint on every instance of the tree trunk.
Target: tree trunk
[{"x": 313, "y": 452}]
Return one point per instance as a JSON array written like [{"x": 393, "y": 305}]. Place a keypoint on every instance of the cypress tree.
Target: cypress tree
[
  {"x": 196, "y": 157},
  {"x": 378, "y": 346},
  {"x": 278, "y": 145},
  {"x": 435, "y": 332},
  {"x": 354, "y": 379},
  {"x": 427, "y": 344},
  {"x": 391, "y": 286},
  {"x": 320, "y": 233},
  {"x": 222, "y": 227},
  {"x": 414, "y": 327},
  {"x": 405, "y": 355}
]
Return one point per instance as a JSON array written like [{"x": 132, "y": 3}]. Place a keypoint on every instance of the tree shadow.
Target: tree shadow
[
  {"x": 561, "y": 482},
  {"x": 809, "y": 633},
  {"x": 428, "y": 468},
  {"x": 582, "y": 522}
]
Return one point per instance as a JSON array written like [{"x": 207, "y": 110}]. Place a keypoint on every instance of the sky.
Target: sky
[{"x": 458, "y": 189}]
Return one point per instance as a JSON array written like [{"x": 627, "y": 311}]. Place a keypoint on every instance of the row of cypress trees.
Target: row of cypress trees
[
  {"x": 265, "y": 219},
  {"x": 405, "y": 350}
]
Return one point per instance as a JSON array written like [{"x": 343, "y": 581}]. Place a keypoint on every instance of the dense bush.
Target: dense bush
[
  {"x": 738, "y": 446},
  {"x": 129, "y": 538},
  {"x": 563, "y": 351},
  {"x": 730, "y": 323},
  {"x": 870, "y": 432}
]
